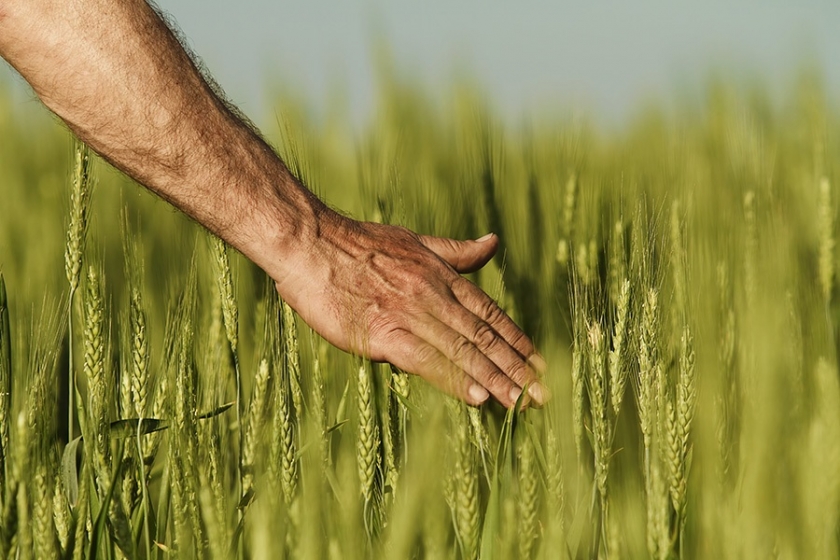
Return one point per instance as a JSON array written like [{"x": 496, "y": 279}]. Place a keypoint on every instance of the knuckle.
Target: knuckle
[
  {"x": 521, "y": 342},
  {"x": 517, "y": 337},
  {"x": 495, "y": 381},
  {"x": 418, "y": 282},
  {"x": 491, "y": 312},
  {"x": 460, "y": 350},
  {"x": 520, "y": 373},
  {"x": 417, "y": 287},
  {"x": 485, "y": 337}
]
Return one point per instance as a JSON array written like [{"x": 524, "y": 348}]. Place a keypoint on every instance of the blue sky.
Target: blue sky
[{"x": 603, "y": 57}]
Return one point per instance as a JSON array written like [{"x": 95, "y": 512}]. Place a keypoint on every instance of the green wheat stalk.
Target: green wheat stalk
[{"x": 5, "y": 387}]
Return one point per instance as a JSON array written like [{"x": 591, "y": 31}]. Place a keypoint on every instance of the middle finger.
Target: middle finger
[{"x": 485, "y": 338}]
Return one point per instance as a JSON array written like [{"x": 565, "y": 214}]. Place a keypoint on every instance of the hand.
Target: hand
[
  {"x": 395, "y": 296},
  {"x": 381, "y": 291}
]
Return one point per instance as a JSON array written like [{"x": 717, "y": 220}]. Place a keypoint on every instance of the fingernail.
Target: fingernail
[
  {"x": 478, "y": 394},
  {"x": 539, "y": 393},
  {"x": 538, "y": 362},
  {"x": 484, "y": 238},
  {"x": 515, "y": 393}
]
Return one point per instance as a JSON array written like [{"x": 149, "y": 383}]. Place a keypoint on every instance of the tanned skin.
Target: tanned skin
[{"x": 120, "y": 79}]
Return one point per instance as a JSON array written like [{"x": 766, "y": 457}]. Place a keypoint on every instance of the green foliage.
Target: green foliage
[{"x": 678, "y": 275}]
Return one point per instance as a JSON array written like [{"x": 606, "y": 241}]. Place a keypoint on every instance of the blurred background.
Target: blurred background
[
  {"x": 605, "y": 58},
  {"x": 663, "y": 179}
]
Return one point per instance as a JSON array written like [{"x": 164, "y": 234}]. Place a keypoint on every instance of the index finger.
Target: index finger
[{"x": 473, "y": 298}]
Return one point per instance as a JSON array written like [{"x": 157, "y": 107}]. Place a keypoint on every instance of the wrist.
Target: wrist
[
  {"x": 286, "y": 229},
  {"x": 310, "y": 259}
]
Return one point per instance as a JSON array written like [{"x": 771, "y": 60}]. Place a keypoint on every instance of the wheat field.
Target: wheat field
[{"x": 157, "y": 398}]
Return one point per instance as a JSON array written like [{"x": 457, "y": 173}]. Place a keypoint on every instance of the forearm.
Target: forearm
[{"x": 115, "y": 73}]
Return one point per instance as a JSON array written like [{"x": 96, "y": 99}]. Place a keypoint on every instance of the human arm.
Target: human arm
[{"x": 114, "y": 72}]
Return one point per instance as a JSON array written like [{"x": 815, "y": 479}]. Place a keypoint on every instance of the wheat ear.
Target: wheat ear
[
  {"x": 465, "y": 486},
  {"x": 618, "y": 373},
  {"x": 367, "y": 447},
  {"x": 94, "y": 369},
  {"x": 253, "y": 427},
  {"x": 81, "y": 188},
  {"x": 528, "y": 494}
]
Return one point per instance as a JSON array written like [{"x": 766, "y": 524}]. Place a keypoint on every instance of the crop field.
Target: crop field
[{"x": 678, "y": 273}]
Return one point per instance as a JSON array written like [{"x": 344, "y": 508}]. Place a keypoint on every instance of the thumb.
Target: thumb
[{"x": 463, "y": 256}]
